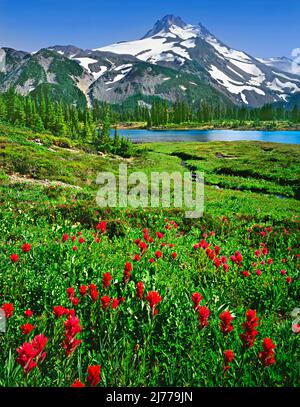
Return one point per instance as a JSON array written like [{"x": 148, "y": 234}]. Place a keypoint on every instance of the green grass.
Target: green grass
[{"x": 133, "y": 347}]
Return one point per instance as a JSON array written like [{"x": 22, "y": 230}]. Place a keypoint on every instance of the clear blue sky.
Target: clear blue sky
[{"x": 259, "y": 27}]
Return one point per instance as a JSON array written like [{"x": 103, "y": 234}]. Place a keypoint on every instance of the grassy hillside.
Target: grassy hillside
[{"x": 47, "y": 200}]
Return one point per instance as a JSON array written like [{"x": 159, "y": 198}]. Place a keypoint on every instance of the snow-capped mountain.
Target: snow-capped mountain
[
  {"x": 173, "y": 60},
  {"x": 192, "y": 48}
]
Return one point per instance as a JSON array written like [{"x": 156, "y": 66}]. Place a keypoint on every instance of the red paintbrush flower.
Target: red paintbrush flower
[
  {"x": 93, "y": 292},
  {"x": 267, "y": 356},
  {"x": 140, "y": 290},
  {"x": 196, "y": 298},
  {"x": 105, "y": 300},
  {"x": 250, "y": 326},
  {"x": 14, "y": 257},
  {"x": 203, "y": 314},
  {"x": 77, "y": 383},
  {"x": 106, "y": 280},
  {"x": 27, "y": 328},
  {"x": 115, "y": 303},
  {"x": 94, "y": 375},
  {"x": 102, "y": 226},
  {"x": 8, "y": 309},
  {"x": 225, "y": 324},
  {"x": 154, "y": 299},
  {"x": 28, "y": 313},
  {"x": 26, "y": 248}
]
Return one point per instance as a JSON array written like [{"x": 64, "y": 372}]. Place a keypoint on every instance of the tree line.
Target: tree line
[
  {"x": 93, "y": 125},
  {"x": 85, "y": 125}
]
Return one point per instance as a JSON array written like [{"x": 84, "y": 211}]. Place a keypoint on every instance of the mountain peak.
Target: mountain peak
[{"x": 164, "y": 24}]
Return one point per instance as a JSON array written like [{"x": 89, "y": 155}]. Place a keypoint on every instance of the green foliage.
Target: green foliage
[{"x": 133, "y": 347}]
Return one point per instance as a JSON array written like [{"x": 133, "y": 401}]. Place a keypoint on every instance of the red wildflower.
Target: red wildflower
[
  {"x": 93, "y": 292},
  {"x": 203, "y": 244},
  {"x": 59, "y": 311},
  {"x": 203, "y": 314},
  {"x": 81, "y": 240},
  {"x": 171, "y": 245},
  {"x": 160, "y": 235},
  {"x": 28, "y": 313},
  {"x": 83, "y": 290},
  {"x": 14, "y": 257},
  {"x": 238, "y": 257},
  {"x": 94, "y": 375},
  {"x": 223, "y": 259},
  {"x": 225, "y": 267},
  {"x": 65, "y": 237},
  {"x": 77, "y": 383},
  {"x": 74, "y": 248},
  {"x": 151, "y": 260},
  {"x": 174, "y": 255},
  {"x": 154, "y": 299},
  {"x": 27, "y": 328},
  {"x": 73, "y": 328},
  {"x": 264, "y": 251},
  {"x": 143, "y": 247},
  {"x": 258, "y": 272},
  {"x": 257, "y": 253},
  {"x": 270, "y": 261},
  {"x": 228, "y": 358},
  {"x": 217, "y": 263},
  {"x": 158, "y": 254},
  {"x": 136, "y": 257},
  {"x": 283, "y": 272},
  {"x": 246, "y": 273},
  {"x": 288, "y": 279},
  {"x": 140, "y": 290},
  {"x": 70, "y": 292},
  {"x": 8, "y": 309},
  {"x": 73, "y": 238},
  {"x": 127, "y": 271},
  {"x": 105, "y": 300},
  {"x": 31, "y": 353},
  {"x": 26, "y": 248},
  {"x": 102, "y": 226},
  {"x": 267, "y": 356},
  {"x": 225, "y": 324},
  {"x": 106, "y": 280},
  {"x": 196, "y": 298},
  {"x": 229, "y": 355},
  {"x": 217, "y": 250},
  {"x": 115, "y": 303},
  {"x": 250, "y": 326}
]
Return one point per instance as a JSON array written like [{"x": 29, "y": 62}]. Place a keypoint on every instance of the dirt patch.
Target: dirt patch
[{"x": 17, "y": 178}]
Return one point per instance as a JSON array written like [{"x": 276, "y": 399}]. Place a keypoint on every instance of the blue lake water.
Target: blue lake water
[{"x": 147, "y": 136}]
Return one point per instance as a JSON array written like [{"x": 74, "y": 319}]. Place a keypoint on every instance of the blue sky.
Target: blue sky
[{"x": 259, "y": 27}]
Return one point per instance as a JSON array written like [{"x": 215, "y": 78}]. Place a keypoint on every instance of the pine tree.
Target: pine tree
[{"x": 3, "y": 109}]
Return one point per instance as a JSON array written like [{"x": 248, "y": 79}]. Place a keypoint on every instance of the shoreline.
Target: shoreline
[{"x": 242, "y": 128}]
